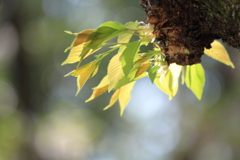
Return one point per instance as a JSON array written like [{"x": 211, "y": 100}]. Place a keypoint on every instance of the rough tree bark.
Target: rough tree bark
[{"x": 185, "y": 27}]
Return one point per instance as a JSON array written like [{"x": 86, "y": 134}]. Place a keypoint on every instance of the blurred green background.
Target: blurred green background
[{"x": 41, "y": 119}]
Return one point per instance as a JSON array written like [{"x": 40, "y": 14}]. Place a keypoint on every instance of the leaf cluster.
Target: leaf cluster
[{"x": 129, "y": 64}]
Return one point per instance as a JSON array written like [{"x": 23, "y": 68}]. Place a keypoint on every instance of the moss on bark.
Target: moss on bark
[{"x": 185, "y": 27}]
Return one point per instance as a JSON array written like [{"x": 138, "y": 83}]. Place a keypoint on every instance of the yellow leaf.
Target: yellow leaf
[
  {"x": 95, "y": 71},
  {"x": 73, "y": 56},
  {"x": 115, "y": 72},
  {"x": 176, "y": 70},
  {"x": 219, "y": 53},
  {"x": 97, "y": 92},
  {"x": 77, "y": 47},
  {"x": 113, "y": 99},
  {"x": 142, "y": 69},
  {"x": 165, "y": 83},
  {"x": 82, "y": 74},
  {"x": 101, "y": 88},
  {"x": 124, "y": 96},
  {"x": 68, "y": 32},
  {"x": 104, "y": 82},
  {"x": 168, "y": 82}
]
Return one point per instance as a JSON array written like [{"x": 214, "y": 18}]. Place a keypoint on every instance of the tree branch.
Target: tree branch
[{"x": 193, "y": 25}]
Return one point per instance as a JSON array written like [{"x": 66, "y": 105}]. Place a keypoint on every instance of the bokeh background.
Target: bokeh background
[{"x": 41, "y": 119}]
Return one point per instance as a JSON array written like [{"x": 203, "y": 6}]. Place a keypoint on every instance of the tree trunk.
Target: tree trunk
[{"x": 185, "y": 27}]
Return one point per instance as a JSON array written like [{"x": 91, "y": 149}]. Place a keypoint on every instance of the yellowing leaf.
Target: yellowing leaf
[
  {"x": 168, "y": 82},
  {"x": 82, "y": 37},
  {"x": 73, "y": 56},
  {"x": 124, "y": 96},
  {"x": 195, "y": 79},
  {"x": 165, "y": 83},
  {"x": 69, "y": 32},
  {"x": 115, "y": 72},
  {"x": 97, "y": 92},
  {"x": 104, "y": 82},
  {"x": 183, "y": 76},
  {"x": 219, "y": 53},
  {"x": 77, "y": 47},
  {"x": 176, "y": 70},
  {"x": 144, "y": 74},
  {"x": 113, "y": 99},
  {"x": 101, "y": 88},
  {"x": 142, "y": 69},
  {"x": 82, "y": 74},
  {"x": 95, "y": 71}
]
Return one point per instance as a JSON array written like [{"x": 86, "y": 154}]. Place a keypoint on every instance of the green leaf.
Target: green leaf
[
  {"x": 125, "y": 38},
  {"x": 132, "y": 25},
  {"x": 219, "y": 53},
  {"x": 102, "y": 55},
  {"x": 125, "y": 80},
  {"x": 195, "y": 79},
  {"x": 115, "y": 72},
  {"x": 129, "y": 56},
  {"x": 129, "y": 48},
  {"x": 103, "y": 33},
  {"x": 83, "y": 73},
  {"x": 152, "y": 73},
  {"x": 124, "y": 96},
  {"x": 77, "y": 47},
  {"x": 113, "y": 99},
  {"x": 169, "y": 82}
]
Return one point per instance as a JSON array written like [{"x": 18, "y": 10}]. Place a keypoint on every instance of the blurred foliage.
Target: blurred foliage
[{"x": 41, "y": 119}]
